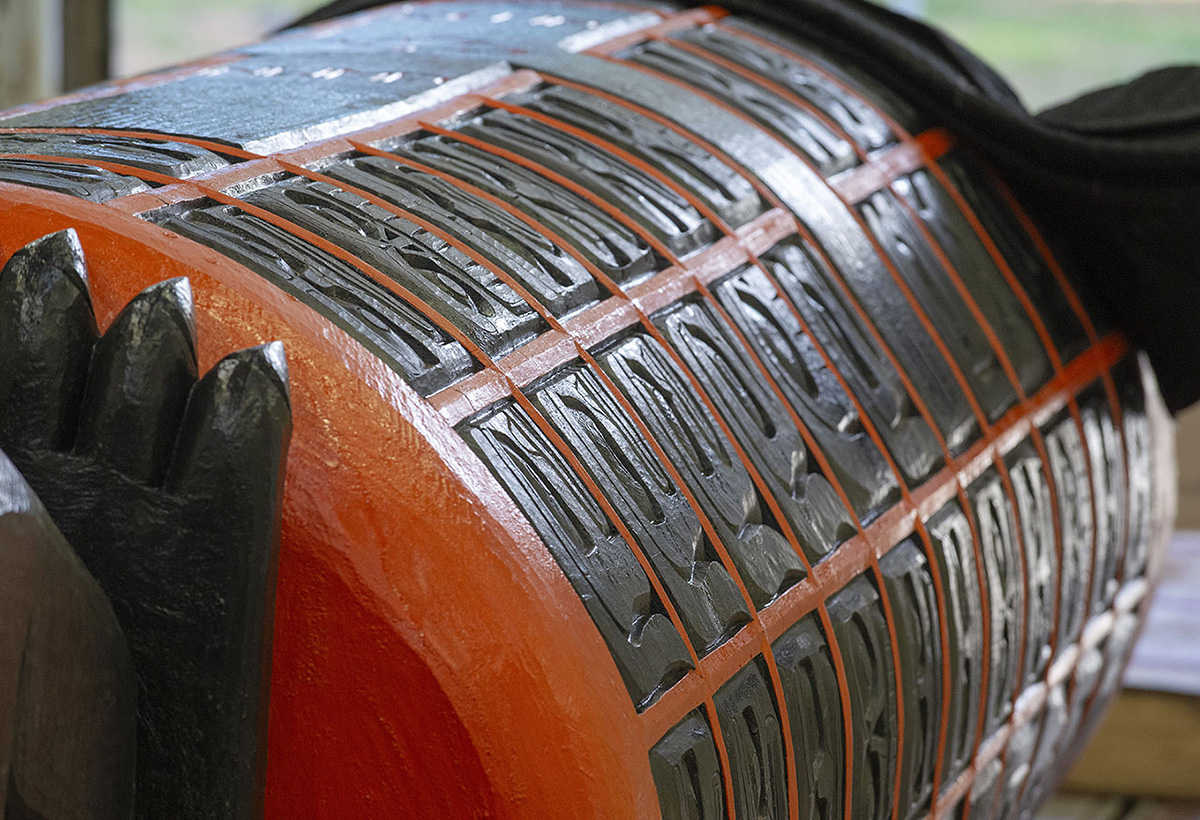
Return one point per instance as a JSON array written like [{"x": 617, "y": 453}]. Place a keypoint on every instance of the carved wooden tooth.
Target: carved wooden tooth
[
  {"x": 142, "y": 370},
  {"x": 47, "y": 330},
  {"x": 241, "y": 404}
]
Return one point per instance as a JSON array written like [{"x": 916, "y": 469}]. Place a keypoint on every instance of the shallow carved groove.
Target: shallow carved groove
[
  {"x": 1135, "y": 424},
  {"x": 1072, "y": 488},
  {"x": 486, "y": 309},
  {"x": 1019, "y": 251},
  {"x": 914, "y": 608},
  {"x": 174, "y": 159},
  {"x": 615, "y": 249},
  {"x": 82, "y": 181},
  {"x": 1107, "y": 458},
  {"x": 862, "y": 634},
  {"x": 428, "y": 357},
  {"x": 812, "y": 389},
  {"x": 649, "y": 502},
  {"x": 658, "y": 209},
  {"x": 698, "y": 171},
  {"x": 554, "y": 277},
  {"x": 857, "y": 357},
  {"x": 929, "y": 283},
  {"x": 1006, "y": 595},
  {"x": 877, "y": 98},
  {"x": 687, "y": 771},
  {"x": 963, "y": 248},
  {"x": 954, "y": 548},
  {"x": 762, "y": 425},
  {"x": 753, "y": 736},
  {"x": 1035, "y": 517},
  {"x": 648, "y": 651},
  {"x": 814, "y": 707},
  {"x": 858, "y": 119},
  {"x": 704, "y": 457},
  {"x": 798, "y": 127},
  {"x": 807, "y": 280}
]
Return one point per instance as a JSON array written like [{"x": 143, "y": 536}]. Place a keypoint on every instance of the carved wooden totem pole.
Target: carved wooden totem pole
[{"x": 681, "y": 425}]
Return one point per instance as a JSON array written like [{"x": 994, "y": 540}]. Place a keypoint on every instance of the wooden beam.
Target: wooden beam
[{"x": 86, "y": 40}]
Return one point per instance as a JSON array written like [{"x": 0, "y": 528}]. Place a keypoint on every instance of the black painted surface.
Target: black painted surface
[
  {"x": 657, "y": 208},
  {"x": 556, "y": 279},
  {"x": 812, "y": 388},
  {"x": 859, "y": 83},
  {"x": 649, "y": 502},
  {"x": 753, "y": 736},
  {"x": 700, "y": 172},
  {"x": 487, "y": 310},
  {"x": 687, "y": 771},
  {"x": 1019, "y": 251},
  {"x": 169, "y": 487},
  {"x": 852, "y": 115},
  {"x": 786, "y": 326},
  {"x": 858, "y": 358},
  {"x": 82, "y": 181},
  {"x": 800, "y": 128},
  {"x": 1102, "y": 437},
  {"x": 616, "y": 250},
  {"x": 998, "y": 544},
  {"x": 173, "y": 159},
  {"x": 1136, "y": 427},
  {"x": 761, "y": 424},
  {"x": 68, "y": 694},
  {"x": 954, "y": 547},
  {"x": 1035, "y": 520},
  {"x": 910, "y": 589},
  {"x": 814, "y": 707},
  {"x": 1073, "y": 491},
  {"x": 965, "y": 251},
  {"x": 861, "y": 631},
  {"x": 929, "y": 283},
  {"x": 706, "y": 460},
  {"x": 809, "y": 283},
  {"x": 428, "y": 357},
  {"x": 602, "y": 567}
]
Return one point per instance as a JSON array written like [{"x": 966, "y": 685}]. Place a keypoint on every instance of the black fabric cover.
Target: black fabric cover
[{"x": 1112, "y": 178}]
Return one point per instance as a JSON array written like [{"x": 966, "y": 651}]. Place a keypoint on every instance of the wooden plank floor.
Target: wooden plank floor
[{"x": 1090, "y": 807}]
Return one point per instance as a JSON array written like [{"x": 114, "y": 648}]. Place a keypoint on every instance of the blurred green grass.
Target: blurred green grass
[
  {"x": 150, "y": 34},
  {"x": 1051, "y": 50}
]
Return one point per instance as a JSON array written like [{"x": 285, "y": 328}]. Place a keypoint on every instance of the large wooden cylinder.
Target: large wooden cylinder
[{"x": 684, "y": 425}]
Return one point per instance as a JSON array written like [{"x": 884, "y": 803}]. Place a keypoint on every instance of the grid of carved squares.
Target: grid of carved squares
[{"x": 735, "y": 385}]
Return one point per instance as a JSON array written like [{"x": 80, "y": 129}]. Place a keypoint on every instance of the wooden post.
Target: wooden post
[
  {"x": 30, "y": 49},
  {"x": 86, "y": 38},
  {"x": 49, "y": 46}
]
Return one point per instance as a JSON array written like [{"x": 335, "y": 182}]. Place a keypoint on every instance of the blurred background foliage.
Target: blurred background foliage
[{"x": 1050, "y": 50}]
